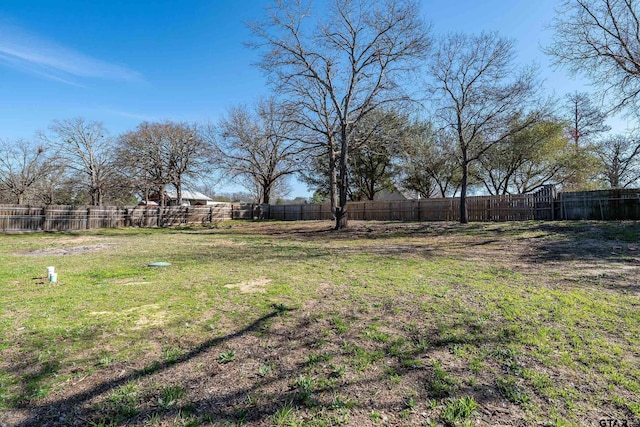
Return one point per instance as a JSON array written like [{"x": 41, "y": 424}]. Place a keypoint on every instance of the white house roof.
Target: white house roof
[{"x": 187, "y": 195}]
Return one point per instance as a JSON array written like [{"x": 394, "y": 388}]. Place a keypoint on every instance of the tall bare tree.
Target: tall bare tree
[
  {"x": 478, "y": 94},
  {"x": 585, "y": 121},
  {"x": 24, "y": 167},
  {"x": 349, "y": 61},
  {"x": 600, "y": 39},
  {"x": 163, "y": 153},
  {"x": 259, "y": 148},
  {"x": 620, "y": 158},
  {"x": 87, "y": 149},
  {"x": 585, "y": 124}
]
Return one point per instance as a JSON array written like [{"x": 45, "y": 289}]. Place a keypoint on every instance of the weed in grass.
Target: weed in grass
[
  {"x": 539, "y": 381},
  {"x": 171, "y": 354},
  {"x": 338, "y": 371},
  {"x": 458, "y": 411},
  {"x": 476, "y": 365},
  {"x": 410, "y": 402},
  {"x": 153, "y": 367},
  {"x": 375, "y": 335},
  {"x": 305, "y": 386},
  {"x": 412, "y": 363},
  {"x": 105, "y": 361},
  {"x": 393, "y": 375},
  {"x": 421, "y": 345},
  {"x": 123, "y": 401},
  {"x": 284, "y": 417},
  {"x": 314, "y": 358},
  {"x": 37, "y": 391},
  {"x": 509, "y": 359},
  {"x": 512, "y": 391},
  {"x": 227, "y": 356},
  {"x": 634, "y": 407},
  {"x": 240, "y": 416},
  {"x": 265, "y": 370},
  {"x": 169, "y": 395},
  {"x": 339, "y": 325},
  {"x": 339, "y": 402},
  {"x": 441, "y": 383},
  {"x": 361, "y": 358},
  {"x": 431, "y": 404}
]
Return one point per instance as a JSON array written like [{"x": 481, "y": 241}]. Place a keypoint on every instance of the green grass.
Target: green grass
[{"x": 327, "y": 328}]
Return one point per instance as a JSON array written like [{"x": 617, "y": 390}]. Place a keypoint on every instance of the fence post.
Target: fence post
[
  {"x": 44, "y": 218},
  {"x": 88, "y": 219}
]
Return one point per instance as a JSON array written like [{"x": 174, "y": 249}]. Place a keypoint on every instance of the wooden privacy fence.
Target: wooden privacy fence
[
  {"x": 616, "y": 204},
  {"x": 545, "y": 204},
  {"x": 14, "y": 218},
  {"x": 480, "y": 208}
]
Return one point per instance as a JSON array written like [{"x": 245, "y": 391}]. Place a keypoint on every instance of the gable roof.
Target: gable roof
[{"x": 187, "y": 195}]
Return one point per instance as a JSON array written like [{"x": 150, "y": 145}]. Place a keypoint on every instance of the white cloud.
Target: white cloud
[{"x": 26, "y": 51}]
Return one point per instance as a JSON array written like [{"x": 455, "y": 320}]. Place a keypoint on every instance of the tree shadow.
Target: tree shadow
[{"x": 62, "y": 411}]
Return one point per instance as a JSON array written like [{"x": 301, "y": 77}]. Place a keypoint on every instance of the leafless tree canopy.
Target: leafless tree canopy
[
  {"x": 585, "y": 120},
  {"x": 258, "y": 147},
  {"x": 346, "y": 64},
  {"x": 24, "y": 168},
  {"x": 161, "y": 154},
  {"x": 87, "y": 149},
  {"x": 620, "y": 157},
  {"x": 600, "y": 39},
  {"x": 479, "y": 92}
]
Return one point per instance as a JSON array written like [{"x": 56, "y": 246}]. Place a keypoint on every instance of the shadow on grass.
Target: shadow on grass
[
  {"x": 57, "y": 412},
  {"x": 306, "y": 380}
]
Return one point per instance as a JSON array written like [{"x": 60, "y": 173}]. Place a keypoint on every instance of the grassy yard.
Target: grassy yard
[{"x": 293, "y": 324}]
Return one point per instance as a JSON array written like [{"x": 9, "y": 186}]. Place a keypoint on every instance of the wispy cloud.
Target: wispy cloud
[
  {"x": 129, "y": 115},
  {"x": 29, "y": 52}
]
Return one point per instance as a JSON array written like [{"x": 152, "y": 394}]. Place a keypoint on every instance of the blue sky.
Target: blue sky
[{"x": 123, "y": 62}]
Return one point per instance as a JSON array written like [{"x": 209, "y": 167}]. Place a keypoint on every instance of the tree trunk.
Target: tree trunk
[
  {"x": 266, "y": 194},
  {"x": 333, "y": 183},
  {"x": 341, "y": 211},
  {"x": 464, "y": 216},
  {"x": 178, "y": 186}
]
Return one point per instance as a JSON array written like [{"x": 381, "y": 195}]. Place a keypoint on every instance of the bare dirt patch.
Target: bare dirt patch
[
  {"x": 67, "y": 250},
  {"x": 252, "y": 286}
]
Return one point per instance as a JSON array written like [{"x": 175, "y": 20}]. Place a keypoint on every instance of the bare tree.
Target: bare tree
[
  {"x": 24, "y": 167},
  {"x": 348, "y": 63},
  {"x": 585, "y": 121},
  {"x": 164, "y": 153},
  {"x": 478, "y": 95},
  {"x": 259, "y": 148},
  {"x": 600, "y": 39},
  {"x": 620, "y": 157},
  {"x": 87, "y": 149},
  {"x": 187, "y": 154}
]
